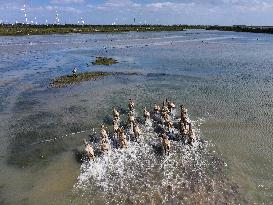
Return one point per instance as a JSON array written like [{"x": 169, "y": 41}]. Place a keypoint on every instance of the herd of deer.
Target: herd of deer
[{"x": 162, "y": 117}]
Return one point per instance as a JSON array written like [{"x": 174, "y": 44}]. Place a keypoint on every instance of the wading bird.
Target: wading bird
[{"x": 74, "y": 72}]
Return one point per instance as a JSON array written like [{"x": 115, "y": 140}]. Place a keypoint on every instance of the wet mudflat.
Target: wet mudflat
[{"x": 224, "y": 79}]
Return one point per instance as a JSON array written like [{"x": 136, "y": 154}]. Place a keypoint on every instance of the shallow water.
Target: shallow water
[{"x": 224, "y": 79}]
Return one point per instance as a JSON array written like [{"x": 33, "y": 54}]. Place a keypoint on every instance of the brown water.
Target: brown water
[{"x": 225, "y": 80}]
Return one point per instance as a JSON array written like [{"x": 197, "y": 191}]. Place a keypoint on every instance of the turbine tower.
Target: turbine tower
[
  {"x": 83, "y": 22},
  {"x": 57, "y": 19},
  {"x": 25, "y": 13}
]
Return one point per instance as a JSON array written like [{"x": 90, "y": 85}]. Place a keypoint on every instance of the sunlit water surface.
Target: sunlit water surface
[{"x": 223, "y": 78}]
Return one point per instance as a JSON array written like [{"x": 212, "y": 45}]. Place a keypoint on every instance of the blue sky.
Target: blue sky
[{"x": 222, "y": 12}]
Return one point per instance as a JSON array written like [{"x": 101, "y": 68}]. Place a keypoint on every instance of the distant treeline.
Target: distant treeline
[
  {"x": 252, "y": 29},
  {"x": 27, "y": 29}
]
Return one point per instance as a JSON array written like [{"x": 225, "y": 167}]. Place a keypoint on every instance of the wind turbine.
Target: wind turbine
[
  {"x": 25, "y": 13},
  {"x": 57, "y": 18},
  {"x": 82, "y": 21}
]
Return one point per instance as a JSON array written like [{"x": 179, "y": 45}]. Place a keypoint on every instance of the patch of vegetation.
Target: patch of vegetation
[
  {"x": 70, "y": 79},
  {"x": 67, "y": 80},
  {"x": 104, "y": 61}
]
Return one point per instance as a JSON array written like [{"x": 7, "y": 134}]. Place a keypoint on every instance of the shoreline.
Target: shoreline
[
  {"x": 51, "y": 29},
  {"x": 25, "y": 30},
  {"x": 244, "y": 29}
]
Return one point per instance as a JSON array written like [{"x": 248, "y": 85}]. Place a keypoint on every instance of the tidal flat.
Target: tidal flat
[{"x": 223, "y": 78}]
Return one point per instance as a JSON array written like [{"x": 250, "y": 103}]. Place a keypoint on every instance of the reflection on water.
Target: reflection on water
[{"x": 223, "y": 78}]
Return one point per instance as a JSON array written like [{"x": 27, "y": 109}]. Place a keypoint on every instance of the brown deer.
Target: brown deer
[
  {"x": 166, "y": 144},
  {"x": 103, "y": 133},
  {"x": 131, "y": 105},
  {"x": 123, "y": 143},
  {"x": 89, "y": 150},
  {"x": 136, "y": 131},
  {"x": 191, "y": 135},
  {"x": 170, "y": 105},
  {"x": 104, "y": 145},
  {"x": 146, "y": 114},
  {"x": 116, "y": 113},
  {"x": 157, "y": 108},
  {"x": 131, "y": 118}
]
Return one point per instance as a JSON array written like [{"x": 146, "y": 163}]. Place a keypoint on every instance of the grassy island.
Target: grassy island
[
  {"x": 66, "y": 80},
  {"x": 26, "y": 29},
  {"x": 104, "y": 61}
]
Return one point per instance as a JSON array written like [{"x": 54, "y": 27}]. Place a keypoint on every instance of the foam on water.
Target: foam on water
[{"x": 142, "y": 174}]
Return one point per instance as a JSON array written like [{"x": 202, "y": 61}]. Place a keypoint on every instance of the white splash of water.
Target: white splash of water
[{"x": 143, "y": 170}]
